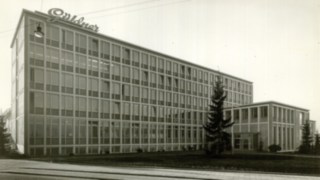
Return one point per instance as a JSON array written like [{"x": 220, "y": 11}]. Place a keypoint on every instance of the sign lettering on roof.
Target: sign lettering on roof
[{"x": 60, "y": 14}]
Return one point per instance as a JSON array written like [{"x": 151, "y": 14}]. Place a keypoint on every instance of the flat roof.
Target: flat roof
[
  {"x": 268, "y": 102},
  {"x": 24, "y": 11}
]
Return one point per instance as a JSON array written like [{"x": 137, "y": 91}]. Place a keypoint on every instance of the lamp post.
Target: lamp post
[{"x": 38, "y": 33}]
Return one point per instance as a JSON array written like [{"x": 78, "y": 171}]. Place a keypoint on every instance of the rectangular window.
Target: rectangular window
[
  {"x": 81, "y": 64},
  {"x": 104, "y": 69},
  {"x": 145, "y": 113},
  {"x": 153, "y": 80},
  {"x": 80, "y": 107},
  {"x": 153, "y": 63},
  {"x": 93, "y": 132},
  {"x": 93, "y": 108},
  {"x": 104, "y": 109},
  {"x": 200, "y": 78},
  {"x": 104, "y": 89},
  {"x": 81, "y": 44},
  {"x": 53, "y": 81},
  {"x": 136, "y": 112},
  {"x": 93, "y": 67},
  {"x": 126, "y": 56},
  {"x": 116, "y": 90},
  {"x": 53, "y": 104},
  {"x": 126, "y": 74},
  {"x": 136, "y": 94},
  {"x": 168, "y": 67},
  {"x": 116, "y": 110},
  {"x": 126, "y": 92},
  {"x": 116, "y": 72},
  {"x": 161, "y": 98},
  {"x": 52, "y": 36},
  {"x": 67, "y": 61},
  {"x": 136, "y": 58},
  {"x": 168, "y": 83},
  {"x": 144, "y": 62},
  {"x": 135, "y": 133},
  {"x": 36, "y": 55},
  {"x": 188, "y": 75},
  {"x": 81, "y": 85},
  {"x": 161, "y": 65},
  {"x": 36, "y": 78},
  {"x": 67, "y": 40},
  {"x": 125, "y": 111},
  {"x": 93, "y": 47},
  {"x": 104, "y": 50},
  {"x": 175, "y": 69},
  {"x": 145, "y": 95},
  {"x": 52, "y": 58},
  {"x": 161, "y": 81},
  {"x": 36, "y": 103},
  {"x": 244, "y": 113},
  {"x": 66, "y": 105},
  {"x": 168, "y": 97},
  {"x": 182, "y": 71},
  {"x": 93, "y": 87},
  {"x": 236, "y": 116},
  {"x": 153, "y": 96},
  {"x": 67, "y": 83},
  {"x": 115, "y": 53},
  {"x": 136, "y": 77},
  {"x": 145, "y": 78}
]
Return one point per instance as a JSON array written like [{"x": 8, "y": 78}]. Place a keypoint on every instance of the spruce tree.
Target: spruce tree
[
  {"x": 217, "y": 138},
  {"x": 305, "y": 147},
  {"x": 317, "y": 144},
  {"x": 4, "y": 139}
]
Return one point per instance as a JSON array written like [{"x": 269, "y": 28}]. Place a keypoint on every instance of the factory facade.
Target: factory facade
[{"x": 76, "y": 91}]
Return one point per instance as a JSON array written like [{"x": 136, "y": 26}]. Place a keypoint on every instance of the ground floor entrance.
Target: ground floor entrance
[{"x": 246, "y": 141}]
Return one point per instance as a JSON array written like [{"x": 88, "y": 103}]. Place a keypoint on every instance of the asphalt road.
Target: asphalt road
[{"x": 27, "y": 169}]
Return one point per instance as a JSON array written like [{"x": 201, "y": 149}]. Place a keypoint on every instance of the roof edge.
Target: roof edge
[
  {"x": 24, "y": 11},
  {"x": 18, "y": 25},
  {"x": 269, "y": 102}
]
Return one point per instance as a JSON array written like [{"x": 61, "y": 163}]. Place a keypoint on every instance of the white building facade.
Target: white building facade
[
  {"x": 77, "y": 91},
  {"x": 259, "y": 125}
]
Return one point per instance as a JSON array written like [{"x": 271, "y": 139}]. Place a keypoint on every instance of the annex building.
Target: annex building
[
  {"x": 77, "y": 91},
  {"x": 259, "y": 125}
]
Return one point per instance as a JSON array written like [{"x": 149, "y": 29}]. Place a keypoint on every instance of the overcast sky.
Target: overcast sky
[{"x": 275, "y": 44}]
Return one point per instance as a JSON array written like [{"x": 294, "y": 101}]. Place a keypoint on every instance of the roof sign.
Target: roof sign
[{"x": 60, "y": 14}]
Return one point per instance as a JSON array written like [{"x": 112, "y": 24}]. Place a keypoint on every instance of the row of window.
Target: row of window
[
  {"x": 92, "y": 108},
  {"x": 147, "y": 79},
  {"x": 67, "y": 131},
  {"x": 128, "y": 56},
  {"x": 284, "y": 115},
  {"x": 52, "y": 101},
  {"x": 114, "y": 148},
  {"x": 244, "y": 114},
  {"x": 284, "y": 137},
  {"x": 90, "y": 86}
]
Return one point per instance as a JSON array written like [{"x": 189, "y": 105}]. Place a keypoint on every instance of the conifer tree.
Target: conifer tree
[
  {"x": 217, "y": 138},
  {"x": 317, "y": 144},
  {"x": 4, "y": 139},
  {"x": 305, "y": 146}
]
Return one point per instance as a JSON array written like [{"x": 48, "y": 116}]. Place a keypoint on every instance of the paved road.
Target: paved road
[{"x": 27, "y": 169}]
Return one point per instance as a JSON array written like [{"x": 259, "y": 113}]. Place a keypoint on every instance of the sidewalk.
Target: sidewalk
[{"x": 67, "y": 171}]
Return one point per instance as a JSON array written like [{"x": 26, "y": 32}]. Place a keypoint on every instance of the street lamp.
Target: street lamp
[{"x": 38, "y": 33}]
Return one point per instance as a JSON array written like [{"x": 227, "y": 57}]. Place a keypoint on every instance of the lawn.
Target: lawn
[{"x": 281, "y": 163}]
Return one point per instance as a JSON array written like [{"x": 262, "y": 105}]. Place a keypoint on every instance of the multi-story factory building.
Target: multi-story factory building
[{"x": 77, "y": 91}]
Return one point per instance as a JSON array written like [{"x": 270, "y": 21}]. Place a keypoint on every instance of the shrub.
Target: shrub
[
  {"x": 274, "y": 148},
  {"x": 139, "y": 150}
]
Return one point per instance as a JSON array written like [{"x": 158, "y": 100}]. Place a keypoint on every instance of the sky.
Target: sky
[{"x": 274, "y": 44}]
